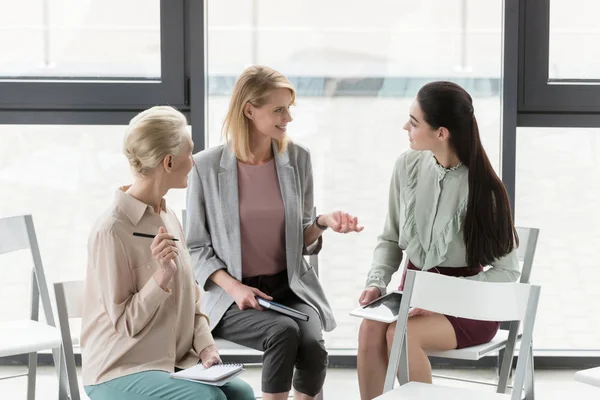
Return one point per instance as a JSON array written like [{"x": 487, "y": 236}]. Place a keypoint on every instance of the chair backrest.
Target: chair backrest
[
  {"x": 13, "y": 234},
  {"x": 70, "y": 295},
  {"x": 69, "y": 304},
  {"x": 469, "y": 299},
  {"x": 528, "y": 238},
  {"x": 488, "y": 301},
  {"x": 18, "y": 233}
]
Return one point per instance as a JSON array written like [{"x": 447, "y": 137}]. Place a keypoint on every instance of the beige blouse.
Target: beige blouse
[{"x": 130, "y": 324}]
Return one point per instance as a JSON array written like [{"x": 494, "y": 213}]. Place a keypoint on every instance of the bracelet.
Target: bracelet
[{"x": 321, "y": 227}]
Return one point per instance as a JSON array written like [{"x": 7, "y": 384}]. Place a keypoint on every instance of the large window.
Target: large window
[
  {"x": 75, "y": 39},
  {"x": 557, "y": 191},
  {"x": 574, "y": 35},
  {"x": 357, "y": 68},
  {"x": 91, "y": 55}
]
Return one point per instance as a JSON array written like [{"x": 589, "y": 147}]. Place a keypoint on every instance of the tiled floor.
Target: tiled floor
[{"x": 340, "y": 384}]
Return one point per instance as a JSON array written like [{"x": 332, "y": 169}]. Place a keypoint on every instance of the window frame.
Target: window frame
[
  {"x": 544, "y": 101},
  {"x": 40, "y": 99}
]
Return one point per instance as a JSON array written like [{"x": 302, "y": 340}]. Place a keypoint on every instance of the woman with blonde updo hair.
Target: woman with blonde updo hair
[
  {"x": 142, "y": 316},
  {"x": 249, "y": 207}
]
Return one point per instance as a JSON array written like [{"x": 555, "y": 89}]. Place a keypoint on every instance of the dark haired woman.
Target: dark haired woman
[{"x": 450, "y": 213}]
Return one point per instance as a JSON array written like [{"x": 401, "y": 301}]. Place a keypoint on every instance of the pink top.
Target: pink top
[{"x": 262, "y": 220}]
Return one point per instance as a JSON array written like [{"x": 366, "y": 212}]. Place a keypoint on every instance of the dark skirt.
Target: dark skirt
[{"x": 469, "y": 332}]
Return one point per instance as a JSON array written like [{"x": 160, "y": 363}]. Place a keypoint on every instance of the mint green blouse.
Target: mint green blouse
[{"x": 426, "y": 209}]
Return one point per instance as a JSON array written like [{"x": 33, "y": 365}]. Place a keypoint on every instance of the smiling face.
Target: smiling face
[
  {"x": 420, "y": 134},
  {"x": 272, "y": 117}
]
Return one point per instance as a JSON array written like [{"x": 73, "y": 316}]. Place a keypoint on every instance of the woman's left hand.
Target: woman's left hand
[
  {"x": 342, "y": 222},
  {"x": 419, "y": 311},
  {"x": 210, "y": 356}
]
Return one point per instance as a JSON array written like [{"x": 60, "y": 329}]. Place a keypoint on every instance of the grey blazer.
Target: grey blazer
[{"x": 213, "y": 226}]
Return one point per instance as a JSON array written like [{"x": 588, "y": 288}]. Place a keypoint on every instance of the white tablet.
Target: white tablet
[{"x": 383, "y": 309}]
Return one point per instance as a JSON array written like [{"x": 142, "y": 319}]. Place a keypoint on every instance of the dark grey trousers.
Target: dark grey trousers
[{"x": 285, "y": 341}]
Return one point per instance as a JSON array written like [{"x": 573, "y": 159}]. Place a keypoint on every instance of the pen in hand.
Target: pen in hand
[{"x": 146, "y": 235}]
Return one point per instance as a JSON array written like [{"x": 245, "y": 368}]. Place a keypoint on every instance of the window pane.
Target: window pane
[
  {"x": 65, "y": 177},
  {"x": 574, "y": 36},
  {"x": 74, "y": 38},
  {"x": 558, "y": 191},
  {"x": 357, "y": 69}
]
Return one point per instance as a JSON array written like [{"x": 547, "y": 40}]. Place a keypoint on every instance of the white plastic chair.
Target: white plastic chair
[
  {"x": 29, "y": 336},
  {"x": 528, "y": 238},
  {"x": 465, "y": 298}
]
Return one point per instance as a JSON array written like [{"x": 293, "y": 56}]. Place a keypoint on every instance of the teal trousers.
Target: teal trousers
[{"x": 155, "y": 385}]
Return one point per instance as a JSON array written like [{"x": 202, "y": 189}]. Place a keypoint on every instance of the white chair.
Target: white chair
[
  {"x": 469, "y": 299},
  {"x": 69, "y": 305},
  {"x": 589, "y": 376},
  {"x": 528, "y": 241},
  {"x": 29, "y": 336}
]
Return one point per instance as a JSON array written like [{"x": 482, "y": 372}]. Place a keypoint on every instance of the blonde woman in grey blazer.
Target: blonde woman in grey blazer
[{"x": 249, "y": 223}]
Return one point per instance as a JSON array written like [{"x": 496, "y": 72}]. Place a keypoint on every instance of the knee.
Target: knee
[
  {"x": 389, "y": 334},
  {"x": 286, "y": 333},
  {"x": 313, "y": 355},
  {"x": 218, "y": 395},
  {"x": 413, "y": 336},
  {"x": 242, "y": 391},
  {"x": 371, "y": 334}
]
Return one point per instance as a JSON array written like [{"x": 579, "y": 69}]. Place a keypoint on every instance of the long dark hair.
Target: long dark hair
[{"x": 489, "y": 232}]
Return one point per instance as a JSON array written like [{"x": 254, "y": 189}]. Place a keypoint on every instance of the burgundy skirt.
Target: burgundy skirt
[{"x": 469, "y": 332}]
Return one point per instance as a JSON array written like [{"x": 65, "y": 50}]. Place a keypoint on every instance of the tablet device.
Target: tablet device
[{"x": 382, "y": 309}]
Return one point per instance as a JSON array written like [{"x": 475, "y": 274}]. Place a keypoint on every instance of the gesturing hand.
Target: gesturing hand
[
  {"x": 245, "y": 297},
  {"x": 342, "y": 222}
]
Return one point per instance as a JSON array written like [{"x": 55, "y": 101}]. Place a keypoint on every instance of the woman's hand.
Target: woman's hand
[
  {"x": 164, "y": 251},
  {"x": 341, "y": 222},
  {"x": 245, "y": 296},
  {"x": 368, "y": 295},
  {"x": 419, "y": 311},
  {"x": 210, "y": 356}
]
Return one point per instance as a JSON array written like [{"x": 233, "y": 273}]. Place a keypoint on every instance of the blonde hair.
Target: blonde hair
[
  {"x": 152, "y": 135},
  {"x": 252, "y": 87}
]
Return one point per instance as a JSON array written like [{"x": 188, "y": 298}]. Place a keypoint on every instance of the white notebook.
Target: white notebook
[{"x": 217, "y": 375}]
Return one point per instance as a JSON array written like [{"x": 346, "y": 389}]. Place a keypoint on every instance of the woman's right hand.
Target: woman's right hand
[
  {"x": 164, "y": 251},
  {"x": 368, "y": 295},
  {"x": 245, "y": 296}
]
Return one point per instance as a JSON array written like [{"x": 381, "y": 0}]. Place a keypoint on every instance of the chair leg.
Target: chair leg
[
  {"x": 505, "y": 371},
  {"x": 403, "y": 369},
  {"x": 529, "y": 377},
  {"x": 61, "y": 369},
  {"x": 31, "y": 375}
]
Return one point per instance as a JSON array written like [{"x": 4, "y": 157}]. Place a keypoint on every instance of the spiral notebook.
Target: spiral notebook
[{"x": 217, "y": 375}]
